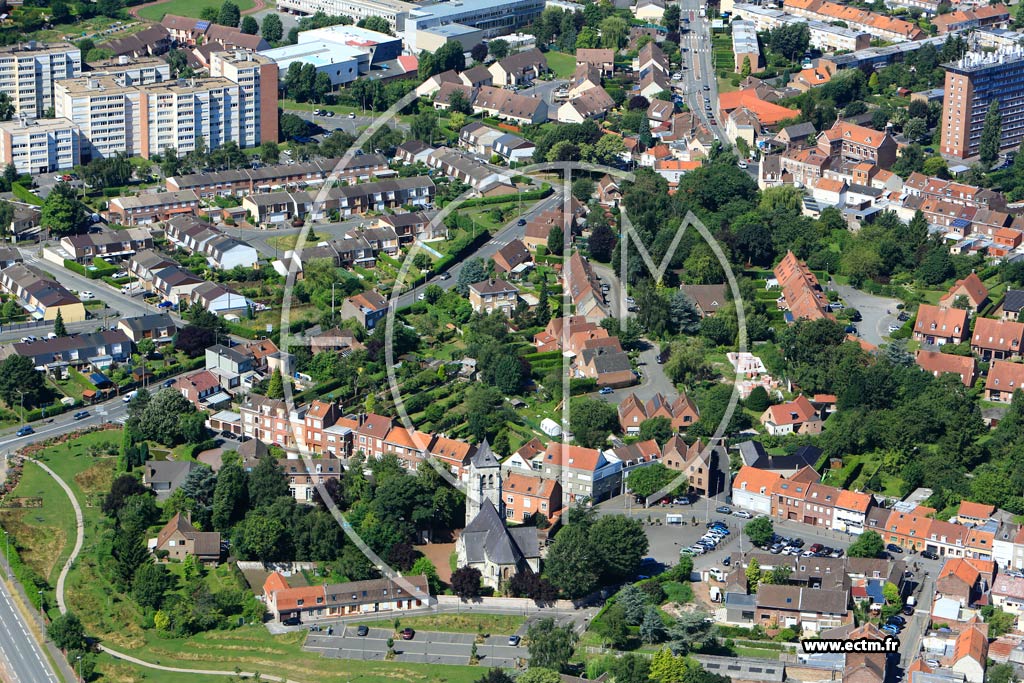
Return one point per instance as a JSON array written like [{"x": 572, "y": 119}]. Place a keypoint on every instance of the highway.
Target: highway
[{"x": 21, "y": 656}]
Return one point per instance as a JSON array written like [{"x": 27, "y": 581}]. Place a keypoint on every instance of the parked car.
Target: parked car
[
  {"x": 292, "y": 621},
  {"x": 929, "y": 555},
  {"x": 742, "y": 513},
  {"x": 521, "y": 222},
  {"x": 726, "y": 561},
  {"x": 351, "y": 114},
  {"x": 86, "y": 295},
  {"x": 81, "y": 414},
  {"x": 362, "y": 630},
  {"x": 816, "y": 548},
  {"x": 895, "y": 328},
  {"x": 408, "y": 633},
  {"x": 25, "y": 431},
  {"x": 606, "y": 390},
  {"x": 444, "y": 276},
  {"x": 129, "y": 396},
  {"x": 893, "y": 548},
  {"x": 165, "y": 304},
  {"x": 514, "y": 640},
  {"x": 908, "y": 610},
  {"x": 723, "y": 510},
  {"x": 897, "y": 619}
]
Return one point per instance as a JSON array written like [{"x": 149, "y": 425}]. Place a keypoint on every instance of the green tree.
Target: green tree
[
  {"x": 685, "y": 317},
  {"x": 621, "y": 544},
  {"x": 556, "y": 240},
  {"x": 745, "y": 68},
  {"x": 630, "y": 668},
  {"x": 634, "y": 603},
  {"x": 267, "y": 483},
  {"x": 58, "y": 325},
  {"x": 753, "y": 573},
  {"x": 758, "y": 400},
  {"x": 229, "y": 14},
  {"x": 466, "y": 582},
  {"x": 21, "y": 383},
  {"x": 652, "y": 628},
  {"x": 646, "y": 481},
  {"x": 62, "y": 213},
  {"x": 499, "y": 48},
  {"x": 249, "y": 26},
  {"x": 424, "y": 567},
  {"x": 870, "y": 544},
  {"x": 991, "y": 132},
  {"x": 593, "y": 421},
  {"x": 601, "y": 243},
  {"x": 151, "y": 584},
  {"x": 473, "y": 271},
  {"x": 259, "y": 537},
  {"x": 230, "y": 496},
  {"x": 572, "y": 563},
  {"x": 424, "y": 127},
  {"x": 272, "y": 29},
  {"x": 657, "y": 428},
  {"x": 275, "y": 388},
  {"x": 66, "y": 632},
  {"x": 612, "y": 627},
  {"x": 614, "y": 31},
  {"x": 378, "y": 24},
  {"x": 760, "y": 531},
  {"x": 129, "y": 553},
  {"x": 538, "y": 675},
  {"x": 550, "y": 646}
]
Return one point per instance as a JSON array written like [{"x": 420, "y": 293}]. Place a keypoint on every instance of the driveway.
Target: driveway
[{"x": 877, "y": 312}]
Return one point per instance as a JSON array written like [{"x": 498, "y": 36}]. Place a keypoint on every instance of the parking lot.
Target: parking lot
[{"x": 426, "y": 647}]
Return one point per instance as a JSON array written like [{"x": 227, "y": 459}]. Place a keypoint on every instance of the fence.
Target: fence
[{"x": 518, "y": 604}]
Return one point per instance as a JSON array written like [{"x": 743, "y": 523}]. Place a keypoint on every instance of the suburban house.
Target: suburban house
[
  {"x": 938, "y": 363},
  {"x": 180, "y": 540},
  {"x": 793, "y": 417},
  {"x": 493, "y": 295},
  {"x": 997, "y": 339},
  {"x": 697, "y": 460},
  {"x": 520, "y": 68},
  {"x": 600, "y": 58},
  {"x": 707, "y": 298},
  {"x": 964, "y": 579},
  {"x": 802, "y": 608},
  {"x": 202, "y": 388},
  {"x": 98, "y": 349},
  {"x": 802, "y": 295},
  {"x": 1004, "y": 377},
  {"x": 332, "y": 600},
  {"x": 368, "y": 308},
  {"x": 850, "y": 142},
  {"x": 156, "y": 326},
  {"x": 524, "y": 495},
  {"x": 608, "y": 365},
  {"x": 165, "y": 476},
  {"x": 114, "y": 246},
  {"x": 970, "y": 290},
  {"x": 152, "y": 207},
  {"x": 937, "y": 325},
  {"x": 303, "y": 480},
  {"x": 39, "y": 294},
  {"x": 1013, "y": 304},
  {"x": 682, "y": 412},
  {"x": 513, "y": 259}
]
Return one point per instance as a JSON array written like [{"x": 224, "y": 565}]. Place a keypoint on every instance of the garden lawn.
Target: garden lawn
[
  {"x": 563, "y": 65},
  {"x": 187, "y": 8},
  {"x": 458, "y": 623}
]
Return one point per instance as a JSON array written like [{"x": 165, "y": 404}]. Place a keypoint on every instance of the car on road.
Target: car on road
[
  {"x": 723, "y": 510},
  {"x": 129, "y": 396},
  {"x": 444, "y": 276},
  {"x": 362, "y": 630},
  {"x": 25, "y": 431},
  {"x": 663, "y": 356},
  {"x": 893, "y": 548},
  {"x": 421, "y": 296},
  {"x": 741, "y": 163},
  {"x": 933, "y": 662},
  {"x": 86, "y": 295},
  {"x": 408, "y": 633},
  {"x": 929, "y": 555},
  {"x": 908, "y": 610},
  {"x": 682, "y": 500},
  {"x": 897, "y": 619},
  {"x": 514, "y": 640},
  {"x": 816, "y": 548},
  {"x": 168, "y": 383},
  {"x": 351, "y": 114},
  {"x": 742, "y": 513},
  {"x": 605, "y": 390},
  {"x": 903, "y": 316},
  {"x": 521, "y": 222},
  {"x": 726, "y": 561},
  {"x": 706, "y": 87},
  {"x": 81, "y": 414}
]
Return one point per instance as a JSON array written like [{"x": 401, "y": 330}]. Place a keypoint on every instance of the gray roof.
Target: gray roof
[
  {"x": 484, "y": 457},
  {"x": 607, "y": 359},
  {"x": 170, "y": 472},
  {"x": 152, "y": 321},
  {"x": 1014, "y": 300},
  {"x": 799, "y": 130},
  {"x": 487, "y": 538}
]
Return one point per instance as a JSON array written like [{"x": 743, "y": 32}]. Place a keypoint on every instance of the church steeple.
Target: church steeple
[{"x": 484, "y": 482}]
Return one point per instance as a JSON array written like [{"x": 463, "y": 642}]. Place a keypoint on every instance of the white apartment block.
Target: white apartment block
[
  {"x": 394, "y": 11},
  {"x": 824, "y": 37},
  {"x": 28, "y": 72},
  {"x": 135, "y": 71},
  {"x": 144, "y": 120},
  {"x": 40, "y": 146}
]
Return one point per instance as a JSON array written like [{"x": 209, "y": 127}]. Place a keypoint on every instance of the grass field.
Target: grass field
[
  {"x": 495, "y": 624},
  {"x": 187, "y": 8},
  {"x": 288, "y": 242},
  {"x": 561, "y": 64},
  {"x": 42, "y": 533}
]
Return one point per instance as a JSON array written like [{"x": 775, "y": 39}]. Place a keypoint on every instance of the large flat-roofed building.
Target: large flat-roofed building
[
  {"x": 381, "y": 47},
  {"x": 40, "y": 146},
  {"x": 28, "y": 72},
  {"x": 342, "y": 63},
  {"x": 239, "y": 103},
  {"x": 972, "y": 84},
  {"x": 134, "y": 71},
  {"x": 392, "y": 11},
  {"x": 493, "y": 17},
  {"x": 744, "y": 46}
]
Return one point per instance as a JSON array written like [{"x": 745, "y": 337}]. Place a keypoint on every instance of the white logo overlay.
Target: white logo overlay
[{"x": 400, "y": 297}]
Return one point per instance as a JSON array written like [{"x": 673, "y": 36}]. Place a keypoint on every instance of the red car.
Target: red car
[{"x": 408, "y": 633}]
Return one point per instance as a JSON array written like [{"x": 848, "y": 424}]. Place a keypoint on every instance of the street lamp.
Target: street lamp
[
  {"x": 21, "y": 396},
  {"x": 78, "y": 661},
  {"x": 40, "y": 603}
]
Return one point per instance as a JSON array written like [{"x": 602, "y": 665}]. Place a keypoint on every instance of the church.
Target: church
[{"x": 499, "y": 552}]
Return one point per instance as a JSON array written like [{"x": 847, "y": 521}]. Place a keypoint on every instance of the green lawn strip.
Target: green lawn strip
[
  {"x": 494, "y": 624},
  {"x": 44, "y": 534},
  {"x": 186, "y": 8},
  {"x": 25, "y": 195}
]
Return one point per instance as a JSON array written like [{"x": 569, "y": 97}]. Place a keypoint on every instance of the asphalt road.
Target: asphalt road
[
  {"x": 877, "y": 313},
  {"x": 426, "y": 647},
  {"x": 20, "y": 654},
  {"x": 699, "y": 60}
]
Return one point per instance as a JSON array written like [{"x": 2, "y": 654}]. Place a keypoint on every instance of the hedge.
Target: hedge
[
  {"x": 100, "y": 268},
  {"x": 529, "y": 195}
]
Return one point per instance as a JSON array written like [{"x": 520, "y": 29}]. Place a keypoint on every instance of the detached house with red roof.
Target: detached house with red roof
[
  {"x": 938, "y": 325},
  {"x": 794, "y": 417},
  {"x": 1004, "y": 377},
  {"x": 850, "y": 142},
  {"x": 997, "y": 339},
  {"x": 938, "y": 363},
  {"x": 973, "y": 291},
  {"x": 179, "y": 539},
  {"x": 332, "y": 600}
]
